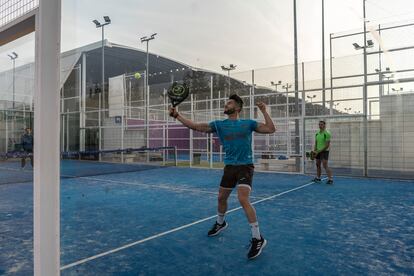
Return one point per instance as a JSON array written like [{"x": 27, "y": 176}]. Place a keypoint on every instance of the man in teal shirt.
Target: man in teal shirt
[
  {"x": 235, "y": 135},
  {"x": 322, "y": 144}
]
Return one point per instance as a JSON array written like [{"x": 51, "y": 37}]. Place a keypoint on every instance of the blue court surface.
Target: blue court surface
[{"x": 155, "y": 222}]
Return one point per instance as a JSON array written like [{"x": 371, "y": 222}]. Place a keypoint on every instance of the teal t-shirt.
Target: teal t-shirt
[{"x": 236, "y": 138}]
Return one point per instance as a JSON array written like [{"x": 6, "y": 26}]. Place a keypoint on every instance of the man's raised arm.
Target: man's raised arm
[{"x": 202, "y": 127}]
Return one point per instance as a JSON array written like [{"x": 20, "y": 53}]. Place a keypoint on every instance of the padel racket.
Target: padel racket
[
  {"x": 178, "y": 93},
  {"x": 311, "y": 155}
]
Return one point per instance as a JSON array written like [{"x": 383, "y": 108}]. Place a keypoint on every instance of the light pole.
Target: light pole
[
  {"x": 102, "y": 26},
  {"x": 333, "y": 106},
  {"x": 288, "y": 144},
  {"x": 311, "y": 98},
  {"x": 296, "y": 73},
  {"x": 275, "y": 84},
  {"x": 147, "y": 39},
  {"x": 348, "y": 109},
  {"x": 367, "y": 44},
  {"x": 101, "y": 95},
  {"x": 381, "y": 76},
  {"x": 13, "y": 56},
  {"x": 287, "y": 86},
  {"x": 388, "y": 82},
  {"x": 397, "y": 90},
  {"x": 229, "y": 68},
  {"x": 323, "y": 56}
]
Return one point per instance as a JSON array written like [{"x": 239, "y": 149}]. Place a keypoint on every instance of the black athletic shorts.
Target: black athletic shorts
[
  {"x": 28, "y": 153},
  {"x": 324, "y": 155},
  {"x": 237, "y": 175}
]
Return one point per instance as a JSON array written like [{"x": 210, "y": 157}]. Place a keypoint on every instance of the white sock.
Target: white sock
[
  {"x": 220, "y": 218},
  {"x": 255, "y": 230}
]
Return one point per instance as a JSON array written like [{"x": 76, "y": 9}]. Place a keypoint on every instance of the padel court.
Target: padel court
[{"x": 155, "y": 222}]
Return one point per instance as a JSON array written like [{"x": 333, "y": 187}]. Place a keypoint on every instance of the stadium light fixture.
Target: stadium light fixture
[
  {"x": 311, "y": 97},
  {"x": 275, "y": 84},
  {"x": 287, "y": 86},
  {"x": 13, "y": 56},
  {"x": 229, "y": 68},
  {"x": 107, "y": 19},
  {"x": 356, "y": 46},
  {"x": 97, "y": 23},
  {"x": 370, "y": 44}
]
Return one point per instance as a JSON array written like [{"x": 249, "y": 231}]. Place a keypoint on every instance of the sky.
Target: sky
[{"x": 208, "y": 34}]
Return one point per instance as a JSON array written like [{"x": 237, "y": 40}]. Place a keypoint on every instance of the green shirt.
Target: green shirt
[{"x": 321, "y": 139}]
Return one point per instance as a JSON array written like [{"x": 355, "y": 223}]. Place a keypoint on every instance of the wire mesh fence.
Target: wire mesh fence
[
  {"x": 13, "y": 9},
  {"x": 96, "y": 119}
]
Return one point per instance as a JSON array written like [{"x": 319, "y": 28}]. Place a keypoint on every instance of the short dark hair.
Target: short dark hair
[
  {"x": 322, "y": 121},
  {"x": 237, "y": 99}
]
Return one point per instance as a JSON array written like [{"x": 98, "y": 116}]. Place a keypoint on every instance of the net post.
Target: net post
[
  {"x": 122, "y": 135},
  {"x": 303, "y": 163},
  {"x": 147, "y": 121},
  {"x": 191, "y": 131},
  {"x": 211, "y": 118},
  {"x": 100, "y": 125},
  {"x": 7, "y": 132},
  {"x": 251, "y": 99},
  {"x": 83, "y": 103},
  {"x": 67, "y": 129},
  {"x": 163, "y": 145}
]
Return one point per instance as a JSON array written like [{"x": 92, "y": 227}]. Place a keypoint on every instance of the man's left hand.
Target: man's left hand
[{"x": 261, "y": 106}]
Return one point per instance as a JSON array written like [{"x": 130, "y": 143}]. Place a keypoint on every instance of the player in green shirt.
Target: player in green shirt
[{"x": 322, "y": 143}]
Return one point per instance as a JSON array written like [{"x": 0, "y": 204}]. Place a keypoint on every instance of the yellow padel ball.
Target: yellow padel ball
[{"x": 137, "y": 76}]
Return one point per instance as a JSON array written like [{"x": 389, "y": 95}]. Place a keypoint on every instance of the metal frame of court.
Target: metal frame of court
[
  {"x": 45, "y": 21},
  {"x": 298, "y": 113}
]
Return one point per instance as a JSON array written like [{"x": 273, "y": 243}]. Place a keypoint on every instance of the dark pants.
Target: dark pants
[{"x": 27, "y": 154}]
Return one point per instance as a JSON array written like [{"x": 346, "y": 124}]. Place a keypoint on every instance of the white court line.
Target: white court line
[
  {"x": 174, "y": 230},
  {"x": 169, "y": 188},
  {"x": 16, "y": 170}
]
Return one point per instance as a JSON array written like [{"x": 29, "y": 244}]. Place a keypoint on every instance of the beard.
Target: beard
[{"x": 229, "y": 111}]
